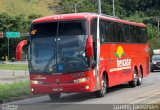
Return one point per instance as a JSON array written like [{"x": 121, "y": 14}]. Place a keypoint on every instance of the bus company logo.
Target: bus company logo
[
  {"x": 122, "y": 64},
  {"x": 57, "y": 81},
  {"x": 120, "y": 52}
]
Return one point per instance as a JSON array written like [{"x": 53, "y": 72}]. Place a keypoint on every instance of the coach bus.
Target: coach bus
[{"x": 86, "y": 52}]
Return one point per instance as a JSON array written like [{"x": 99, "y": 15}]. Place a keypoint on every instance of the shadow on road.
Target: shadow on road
[
  {"x": 79, "y": 97},
  {"x": 155, "y": 71}
]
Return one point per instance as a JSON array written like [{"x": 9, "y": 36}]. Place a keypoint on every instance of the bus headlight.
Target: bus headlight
[
  {"x": 81, "y": 80},
  {"x": 36, "y": 82}
]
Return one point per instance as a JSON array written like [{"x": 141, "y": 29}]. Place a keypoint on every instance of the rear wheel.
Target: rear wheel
[
  {"x": 139, "y": 82},
  {"x": 134, "y": 82},
  {"x": 55, "y": 96},
  {"x": 102, "y": 92}
]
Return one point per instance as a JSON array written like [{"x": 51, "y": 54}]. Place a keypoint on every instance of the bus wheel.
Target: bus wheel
[
  {"x": 55, "y": 96},
  {"x": 139, "y": 82},
  {"x": 102, "y": 92},
  {"x": 134, "y": 82}
]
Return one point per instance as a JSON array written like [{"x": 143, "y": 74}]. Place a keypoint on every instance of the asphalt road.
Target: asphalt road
[{"x": 147, "y": 93}]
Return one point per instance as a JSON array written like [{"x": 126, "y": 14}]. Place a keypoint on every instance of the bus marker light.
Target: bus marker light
[
  {"x": 87, "y": 87},
  {"x": 33, "y": 32},
  {"x": 32, "y": 89},
  {"x": 94, "y": 73}
]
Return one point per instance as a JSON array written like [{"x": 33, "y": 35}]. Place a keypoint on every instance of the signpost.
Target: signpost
[{"x": 12, "y": 35}]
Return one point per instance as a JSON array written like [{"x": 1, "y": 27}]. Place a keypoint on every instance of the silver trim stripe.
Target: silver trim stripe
[{"x": 118, "y": 69}]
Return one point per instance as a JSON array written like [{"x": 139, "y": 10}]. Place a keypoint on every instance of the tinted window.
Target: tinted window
[
  {"x": 66, "y": 28},
  {"x": 156, "y": 57},
  {"x": 133, "y": 34},
  {"x": 72, "y": 28},
  {"x": 102, "y": 31},
  {"x": 127, "y": 37},
  {"x": 120, "y": 32},
  {"x": 46, "y": 28},
  {"x": 144, "y": 34},
  {"x": 94, "y": 29},
  {"x": 94, "y": 34},
  {"x": 109, "y": 37}
]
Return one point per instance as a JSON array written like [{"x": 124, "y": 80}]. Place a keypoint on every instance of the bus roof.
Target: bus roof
[{"x": 75, "y": 16}]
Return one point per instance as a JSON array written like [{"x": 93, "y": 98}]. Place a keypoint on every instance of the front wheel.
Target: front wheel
[
  {"x": 55, "y": 96},
  {"x": 135, "y": 80},
  {"x": 102, "y": 92}
]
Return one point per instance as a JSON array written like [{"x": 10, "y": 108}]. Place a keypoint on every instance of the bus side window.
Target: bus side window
[
  {"x": 120, "y": 35},
  {"x": 102, "y": 31},
  {"x": 108, "y": 32},
  {"x": 144, "y": 34},
  {"x": 94, "y": 35},
  {"x": 133, "y": 34},
  {"x": 127, "y": 37},
  {"x": 139, "y": 37},
  {"x": 113, "y": 32},
  {"x": 94, "y": 29}
]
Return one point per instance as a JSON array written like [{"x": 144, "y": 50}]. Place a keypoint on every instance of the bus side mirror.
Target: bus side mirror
[{"x": 89, "y": 46}]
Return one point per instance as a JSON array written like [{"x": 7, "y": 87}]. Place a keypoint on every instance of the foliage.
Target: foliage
[
  {"x": 14, "y": 67},
  {"x": 16, "y": 89},
  {"x": 26, "y": 7},
  {"x": 8, "y": 22}
]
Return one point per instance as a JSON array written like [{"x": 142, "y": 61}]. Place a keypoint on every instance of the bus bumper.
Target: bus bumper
[{"x": 62, "y": 88}]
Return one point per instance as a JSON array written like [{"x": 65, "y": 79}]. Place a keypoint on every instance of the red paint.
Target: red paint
[{"x": 19, "y": 50}]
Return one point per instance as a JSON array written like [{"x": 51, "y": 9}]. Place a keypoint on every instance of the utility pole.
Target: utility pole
[
  {"x": 158, "y": 27},
  {"x": 75, "y": 6},
  {"x": 99, "y": 7},
  {"x": 113, "y": 8},
  {"x": 8, "y": 49}
]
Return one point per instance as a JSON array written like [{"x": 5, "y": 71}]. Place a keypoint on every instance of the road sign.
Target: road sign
[
  {"x": 25, "y": 34},
  {"x": 1, "y": 34},
  {"x": 12, "y": 34}
]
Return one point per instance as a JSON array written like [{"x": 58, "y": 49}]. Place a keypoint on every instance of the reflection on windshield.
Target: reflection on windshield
[
  {"x": 43, "y": 49},
  {"x": 70, "y": 54},
  {"x": 61, "y": 53},
  {"x": 156, "y": 57}
]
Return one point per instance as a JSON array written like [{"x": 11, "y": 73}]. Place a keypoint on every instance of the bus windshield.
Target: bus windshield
[{"x": 58, "y": 47}]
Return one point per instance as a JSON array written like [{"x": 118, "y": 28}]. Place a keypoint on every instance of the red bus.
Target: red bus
[{"x": 86, "y": 52}]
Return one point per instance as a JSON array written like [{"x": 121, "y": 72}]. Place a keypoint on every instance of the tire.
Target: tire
[
  {"x": 55, "y": 96},
  {"x": 152, "y": 70},
  {"x": 103, "y": 91},
  {"x": 134, "y": 82},
  {"x": 139, "y": 81}
]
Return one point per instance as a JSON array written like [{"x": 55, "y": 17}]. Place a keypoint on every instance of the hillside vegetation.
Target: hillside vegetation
[{"x": 26, "y": 7}]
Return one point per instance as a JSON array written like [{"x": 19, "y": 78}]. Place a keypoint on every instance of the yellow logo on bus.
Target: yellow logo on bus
[{"x": 120, "y": 52}]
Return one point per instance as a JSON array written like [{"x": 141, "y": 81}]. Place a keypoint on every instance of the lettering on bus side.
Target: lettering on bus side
[{"x": 123, "y": 63}]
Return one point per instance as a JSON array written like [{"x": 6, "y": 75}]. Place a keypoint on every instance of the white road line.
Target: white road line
[{"x": 154, "y": 101}]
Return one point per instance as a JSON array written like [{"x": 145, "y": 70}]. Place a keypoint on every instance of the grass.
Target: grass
[
  {"x": 27, "y": 7},
  {"x": 16, "y": 89},
  {"x": 13, "y": 67}
]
